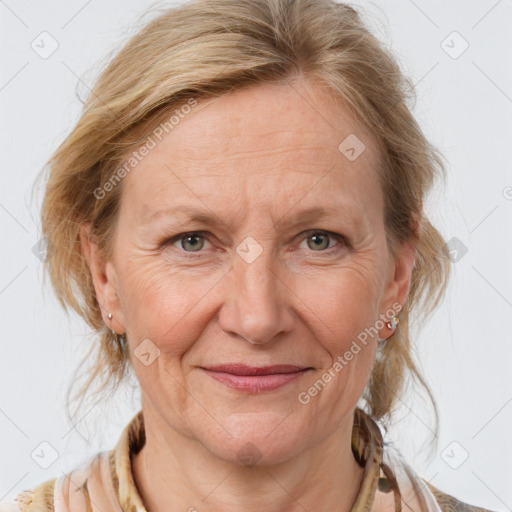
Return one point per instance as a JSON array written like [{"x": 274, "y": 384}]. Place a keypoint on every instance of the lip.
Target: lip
[{"x": 255, "y": 379}]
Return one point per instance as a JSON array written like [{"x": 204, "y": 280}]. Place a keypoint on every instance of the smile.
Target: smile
[{"x": 255, "y": 379}]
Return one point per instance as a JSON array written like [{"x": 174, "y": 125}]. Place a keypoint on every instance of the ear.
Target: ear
[
  {"x": 104, "y": 278},
  {"x": 400, "y": 273}
]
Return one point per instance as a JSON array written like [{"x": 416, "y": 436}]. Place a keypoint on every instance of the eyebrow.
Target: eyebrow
[
  {"x": 209, "y": 218},
  {"x": 204, "y": 217}
]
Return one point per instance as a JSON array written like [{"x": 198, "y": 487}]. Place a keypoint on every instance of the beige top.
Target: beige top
[{"x": 106, "y": 484}]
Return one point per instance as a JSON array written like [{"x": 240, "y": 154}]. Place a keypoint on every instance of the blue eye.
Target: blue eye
[
  {"x": 321, "y": 241},
  {"x": 318, "y": 241},
  {"x": 189, "y": 242}
]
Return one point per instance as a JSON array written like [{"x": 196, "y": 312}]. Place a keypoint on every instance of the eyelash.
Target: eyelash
[{"x": 340, "y": 238}]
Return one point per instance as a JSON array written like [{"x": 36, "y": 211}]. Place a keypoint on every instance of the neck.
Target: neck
[{"x": 174, "y": 472}]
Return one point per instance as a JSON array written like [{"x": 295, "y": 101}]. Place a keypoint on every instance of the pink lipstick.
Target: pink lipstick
[{"x": 255, "y": 379}]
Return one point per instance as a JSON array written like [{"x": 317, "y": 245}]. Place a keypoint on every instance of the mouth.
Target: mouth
[{"x": 256, "y": 379}]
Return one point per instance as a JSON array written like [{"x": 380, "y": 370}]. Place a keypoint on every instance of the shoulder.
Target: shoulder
[
  {"x": 39, "y": 498},
  {"x": 72, "y": 492},
  {"x": 448, "y": 503}
]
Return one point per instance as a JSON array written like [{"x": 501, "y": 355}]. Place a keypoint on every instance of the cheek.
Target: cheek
[
  {"x": 342, "y": 309},
  {"x": 341, "y": 304},
  {"x": 168, "y": 307},
  {"x": 161, "y": 303}
]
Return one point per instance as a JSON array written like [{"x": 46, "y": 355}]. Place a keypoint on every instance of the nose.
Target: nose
[{"x": 257, "y": 306}]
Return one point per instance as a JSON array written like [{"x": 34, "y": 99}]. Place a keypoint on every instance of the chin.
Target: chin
[{"x": 256, "y": 439}]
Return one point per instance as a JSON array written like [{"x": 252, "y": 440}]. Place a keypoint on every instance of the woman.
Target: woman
[{"x": 239, "y": 215}]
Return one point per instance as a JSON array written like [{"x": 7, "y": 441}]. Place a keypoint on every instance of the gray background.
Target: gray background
[{"x": 464, "y": 106}]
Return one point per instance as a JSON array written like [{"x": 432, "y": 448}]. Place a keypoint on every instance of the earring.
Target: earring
[
  {"x": 393, "y": 323},
  {"x": 390, "y": 325},
  {"x": 110, "y": 318},
  {"x": 122, "y": 337}
]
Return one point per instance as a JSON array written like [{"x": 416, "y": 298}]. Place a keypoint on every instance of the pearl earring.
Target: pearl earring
[
  {"x": 121, "y": 336},
  {"x": 110, "y": 316}
]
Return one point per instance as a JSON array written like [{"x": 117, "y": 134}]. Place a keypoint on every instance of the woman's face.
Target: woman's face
[{"x": 287, "y": 265}]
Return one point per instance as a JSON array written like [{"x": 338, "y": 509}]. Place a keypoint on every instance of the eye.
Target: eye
[
  {"x": 189, "y": 242},
  {"x": 317, "y": 240},
  {"x": 321, "y": 241}
]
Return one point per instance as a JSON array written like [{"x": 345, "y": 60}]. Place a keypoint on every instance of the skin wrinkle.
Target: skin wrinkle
[
  {"x": 280, "y": 150},
  {"x": 297, "y": 306}
]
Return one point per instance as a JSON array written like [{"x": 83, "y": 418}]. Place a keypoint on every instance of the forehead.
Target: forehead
[{"x": 267, "y": 146}]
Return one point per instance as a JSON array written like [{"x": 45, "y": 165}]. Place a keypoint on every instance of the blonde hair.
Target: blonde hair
[{"x": 206, "y": 48}]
